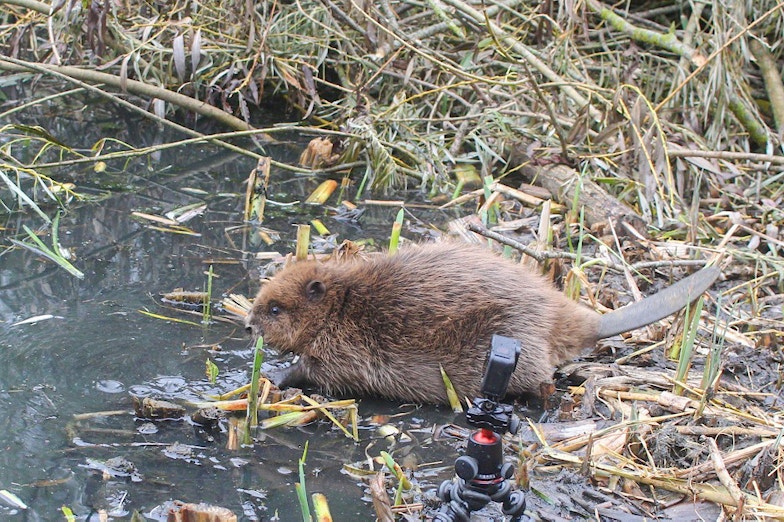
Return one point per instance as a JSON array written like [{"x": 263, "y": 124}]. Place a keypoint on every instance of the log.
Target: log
[{"x": 597, "y": 204}]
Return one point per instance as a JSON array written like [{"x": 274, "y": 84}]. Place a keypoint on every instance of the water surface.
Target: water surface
[{"x": 93, "y": 350}]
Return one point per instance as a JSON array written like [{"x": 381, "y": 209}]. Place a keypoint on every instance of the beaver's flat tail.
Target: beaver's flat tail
[{"x": 658, "y": 306}]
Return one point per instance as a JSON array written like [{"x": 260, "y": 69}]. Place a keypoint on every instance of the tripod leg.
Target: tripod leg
[{"x": 514, "y": 505}]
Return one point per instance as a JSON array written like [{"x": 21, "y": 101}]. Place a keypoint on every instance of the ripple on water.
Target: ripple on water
[{"x": 109, "y": 386}]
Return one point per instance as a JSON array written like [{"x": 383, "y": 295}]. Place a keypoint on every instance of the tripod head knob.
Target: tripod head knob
[
  {"x": 507, "y": 470},
  {"x": 466, "y": 468}
]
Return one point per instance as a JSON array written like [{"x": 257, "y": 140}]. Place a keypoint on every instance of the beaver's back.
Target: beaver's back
[{"x": 459, "y": 280}]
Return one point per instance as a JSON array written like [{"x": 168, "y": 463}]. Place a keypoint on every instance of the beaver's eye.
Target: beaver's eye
[{"x": 274, "y": 309}]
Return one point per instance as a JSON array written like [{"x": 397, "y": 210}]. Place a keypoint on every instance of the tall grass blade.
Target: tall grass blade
[
  {"x": 253, "y": 395},
  {"x": 44, "y": 251},
  {"x": 206, "y": 313},
  {"x": 24, "y": 198},
  {"x": 397, "y": 226},
  {"x": 302, "y": 494},
  {"x": 713, "y": 364},
  {"x": 451, "y": 394},
  {"x": 397, "y": 471},
  {"x": 687, "y": 346}
]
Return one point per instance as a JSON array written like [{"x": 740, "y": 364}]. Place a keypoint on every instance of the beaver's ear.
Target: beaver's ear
[{"x": 315, "y": 290}]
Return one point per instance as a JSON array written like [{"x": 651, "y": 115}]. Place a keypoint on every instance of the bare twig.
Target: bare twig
[
  {"x": 725, "y": 155},
  {"x": 542, "y": 256}
]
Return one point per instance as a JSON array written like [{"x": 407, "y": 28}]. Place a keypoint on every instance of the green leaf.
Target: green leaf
[{"x": 211, "y": 371}]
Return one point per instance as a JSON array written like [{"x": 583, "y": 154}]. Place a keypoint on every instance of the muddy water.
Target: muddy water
[{"x": 92, "y": 350}]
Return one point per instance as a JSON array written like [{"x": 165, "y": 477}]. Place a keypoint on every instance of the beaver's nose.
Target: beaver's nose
[{"x": 249, "y": 328}]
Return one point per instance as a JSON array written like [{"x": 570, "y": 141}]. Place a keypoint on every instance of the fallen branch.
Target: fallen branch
[
  {"x": 667, "y": 41},
  {"x": 565, "y": 183},
  {"x": 772, "y": 78},
  {"x": 33, "y": 5},
  {"x": 135, "y": 87}
]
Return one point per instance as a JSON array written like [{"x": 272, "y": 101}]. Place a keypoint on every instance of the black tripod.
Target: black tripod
[{"x": 482, "y": 475}]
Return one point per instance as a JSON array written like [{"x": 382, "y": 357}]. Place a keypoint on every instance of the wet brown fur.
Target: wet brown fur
[{"x": 381, "y": 327}]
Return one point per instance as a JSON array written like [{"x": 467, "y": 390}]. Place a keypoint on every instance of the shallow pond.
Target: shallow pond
[{"x": 92, "y": 349}]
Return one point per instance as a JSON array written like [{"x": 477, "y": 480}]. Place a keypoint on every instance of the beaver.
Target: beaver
[{"x": 385, "y": 325}]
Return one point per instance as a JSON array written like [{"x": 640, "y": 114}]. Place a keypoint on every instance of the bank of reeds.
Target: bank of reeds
[{"x": 653, "y": 103}]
